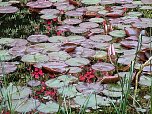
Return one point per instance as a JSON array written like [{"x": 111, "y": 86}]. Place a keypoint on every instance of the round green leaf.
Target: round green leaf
[
  {"x": 77, "y": 61},
  {"x": 118, "y": 33},
  {"x": 29, "y": 58},
  {"x": 49, "y": 107}
]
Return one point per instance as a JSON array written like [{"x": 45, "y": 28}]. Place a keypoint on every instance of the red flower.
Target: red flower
[
  {"x": 55, "y": 19},
  {"x": 49, "y": 22},
  {"x": 59, "y": 33},
  {"x": 82, "y": 78},
  {"x": 48, "y": 28},
  {"x": 125, "y": 9}
]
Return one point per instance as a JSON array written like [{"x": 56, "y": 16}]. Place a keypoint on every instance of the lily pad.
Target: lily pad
[
  {"x": 4, "y": 3},
  {"x": 67, "y": 78},
  {"x": 88, "y": 25},
  {"x": 48, "y": 47},
  {"x": 73, "y": 70},
  {"x": 95, "y": 8},
  {"x": 103, "y": 66},
  {"x": 34, "y": 83},
  {"x": 92, "y": 101},
  {"x": 100, "y": 55},
  {"x": 97, "y": 30},
  {"x": 5, "y": 56},
  {"x": 118, "y": 33},
  {"x": 74, "y": 13},
  {"x": 96, "y": 20},
  {"x": 101, "y": 38},
  {"x": 146, "y": 1},
  {"x": 89, "y": 88},
  {"x": 18, "y": 43},
  {"x": 39, "y": 4},
  {"x": 126, "y": 59},
  {"x": 48, "y": 16},
  {"x": 55, "y": 83},
  {"x": 76, "y": 38},
  {"x": 57, "y": 39},
  {"x": 24, "y": 105},
  {"x": 53, "y": 67},
  {"x": 134, "y": 14},
  {"x": 129, "y": 44},
  {"x": 77, "y": 61},
  {"x": 49, "y": 107},
  {"x": 6, "y": 41},
  {"x": 8, "y": 9},
  {"x": 72, "y": 21},
  {"x": 29, "y": 58},
  {"x": 49, "y": 11},
  {"x": 58, "y": 56},
  {"x": 83, "y": 52},
  {"x": 145, "y": 80},
  {"x": 16, "y": 92},
  {"x": 7, "y": 67},
  {"x": 78, "y": 30},
  {"x": 69, "y": 91},
  {"x": 38, "y": 38},
  {"x": 90, "y": 2},
  {"x": 114, "y": 94}
]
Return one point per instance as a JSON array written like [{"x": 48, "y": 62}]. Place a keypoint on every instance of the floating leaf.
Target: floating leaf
[
  {"x": 72, "y": 21},
  {"x": 101, "y": 38},
  {"x": 69, "y": 91},
  {"x": 38, "y": 38},
  {"x": 58, "y": 56},
  {"x": 67, "y": 78},
  {"x": 96, "y": 20},
  {"x": 92, "y": 101},
  {"x": 74, "y": 13},
  {"x": 48, "y": 47},
  {"x": 77, "y": 61},
  {"x": 49, "y": 11},
  {"x": 34, "y": 83},
  {"x": 90, "y": 2},
  {"x": 73, "y": 69},
  {"x": 5, "y": 56},
  {"x": 29, "y": 58},
  {"x": 49, "y": 107},
  {"x": 24, "y": 105},
  {"x": 55, "y": 83},
  {"x": 54, "y": 67},
  {"x": 7, "y": 67},
  {"x": 57, "y": 39},
  {"x": 145, "y": 80},
  {"x": 88, "y": 25},
  {"x": 6, "y": 41},
  {"x": 78, "y": 30},
  {"x": 103, "y": 66},
  {"x": 16, "y": 92},
  {"x": 100, "y": 55},
  {"x": 39, "y": 4},
  {"x": 47, "y": 17},
  {"x": 118, "y": 33},
  {"x": 114, "y": 94},
  {"x": 8, "y": 9},
  {"x": 88, "y": 88}
]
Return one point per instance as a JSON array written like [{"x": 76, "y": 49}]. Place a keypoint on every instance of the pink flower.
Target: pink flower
[
  {"x": 111, "y": 50},
  {"x": 48, "y": 28},
  {"x": 55, "y": 19},
  {"x": 125, "y": 9},
  {"x": 59, "y": 33},
  {"x": 49, "y": 22},
  {"x": 36, "y": 76}
]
